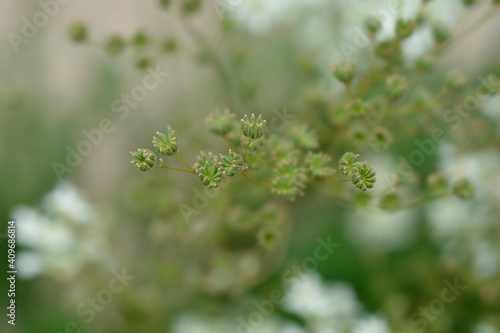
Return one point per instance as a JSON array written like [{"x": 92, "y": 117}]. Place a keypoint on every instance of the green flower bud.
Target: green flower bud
[
  {"x": 347, "y": 162},
  {"x": 144, "y": 159},
  {"x": 305, "y": 138},
  {"x": 390, "y": 51},
  {"x": 166, "y": 145},
  {"x": 344, "y": 72},
  {"x": 169, "y": 46},
  {"x": 78, "y": 32},
  {"x": 253, "y": 128},
  {"x": 281, "y": 149},
  {"x": 396, "y": 86},
  {"x": 372, "y": 27},
  {"x": 424, "y": 63},
  {"x": 115, "y": 45},
  {"x": 140, "y": 39},
  {"x": 463, "y": 189},
  {"x": 316, "y": 165},
  {"x": 220, "y": 123},
  {"x": 203, "y": 158},
  {"x": 357, "y": 107},
  {"x": 288, "y": 180},
  {"x": 437, "y": 185},
  {"x": 363, "y": 177},
  {"x": 210, "y": 174},
  {"x": 164, "y": 3},
  {"x": 404, "y": 29},
  {"x": 232, "y": 164},
  {"x": 455, "y": 80},
  {"x": 441, "y": 33},
  {"x": 381, "y": 138},
  {"x": 143, "y": 63},
  {"x": 268, "y": 237},
  {"x": 390, "y": 201},
  {"x": 191, "y": 6}
]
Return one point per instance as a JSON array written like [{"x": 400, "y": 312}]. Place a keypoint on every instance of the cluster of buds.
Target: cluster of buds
[
  {"x": 220, "y": 123},
  {"x": 210, "y": 174},
  {"x": 347, "y": 162},
  {"x": 316, "y": 165},
  {"x": 357, "y": 107},
  {"x": 289, "y": 180},
  {"x": 78, "y": 32},
  {"x": 166, "y": 144},
  {"x": 344, "y": 72},
  {"x": 396, "y": 86},
  {"x": 232, "y": 164},
  {"x": 253, "y": 128},
  {"x": 455, "y": 80},
  {"x": 144, "y": 159},
  {"x": 363, "y": 177},
  {"x": 404, "y": 29},
  {"x": 463, "y": 189}
]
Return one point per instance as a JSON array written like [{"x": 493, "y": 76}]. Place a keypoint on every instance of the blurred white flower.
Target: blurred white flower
[
  {"x": 194, "y": 323},
  {"x": 485, "y": 259},
  {"x": 371, "y": 324},
  {"x": 29, "y": 264},
  {"x": 66, "y": 200},
  {"x": 60, "y": 238},
  {"x": 258, "y": 16},
  {"x": 308, "y": 296},
  {"x": 483, "y": 327}
]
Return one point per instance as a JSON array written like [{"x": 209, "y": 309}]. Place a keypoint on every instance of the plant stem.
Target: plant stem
[
  {"x": 339, "y": 180},
  {"x": 246, "y": 150},
  {"x": 172, "y": 168},
  {"x": 253, "y": 181},
  {"x": 349, "y": 92},
  {"x": 387, "y": 112},
  {"x": 184, "y": 162}
]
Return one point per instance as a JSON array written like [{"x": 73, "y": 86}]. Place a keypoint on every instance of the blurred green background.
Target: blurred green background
[{"x": 203, "y": 273}]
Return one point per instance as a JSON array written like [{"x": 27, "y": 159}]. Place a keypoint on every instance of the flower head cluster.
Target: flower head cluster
[
  {"x": 396, "y": 86},
  {"x": 210, "y": 174},
  {"x": 348, "y": 162},
  {"x": 144, "y": 159},
  {"x": 363, "y": 177},
  {"x": 316, "y": 165},
  {"x": 166, "y": 144},
  {"x": 289, "y": 180},
  {"x": 232, "y": 164},
  {"x": 253, "y": 128},
  {"x": 220, "y": 123},
  {"x": 344, "y": 72}
]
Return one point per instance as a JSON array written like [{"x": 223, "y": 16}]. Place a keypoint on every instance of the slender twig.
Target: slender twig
[
  {"x": 184, "y": 162},
  {"x": 246, "y": 150},
  {"x": 253, "y": 181},
  {"x": 339, "y": 180},
  {"x": 387, "y": 112},
  {"x": 172, "y": 168},
  {"x": 349, "y": 92}
]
